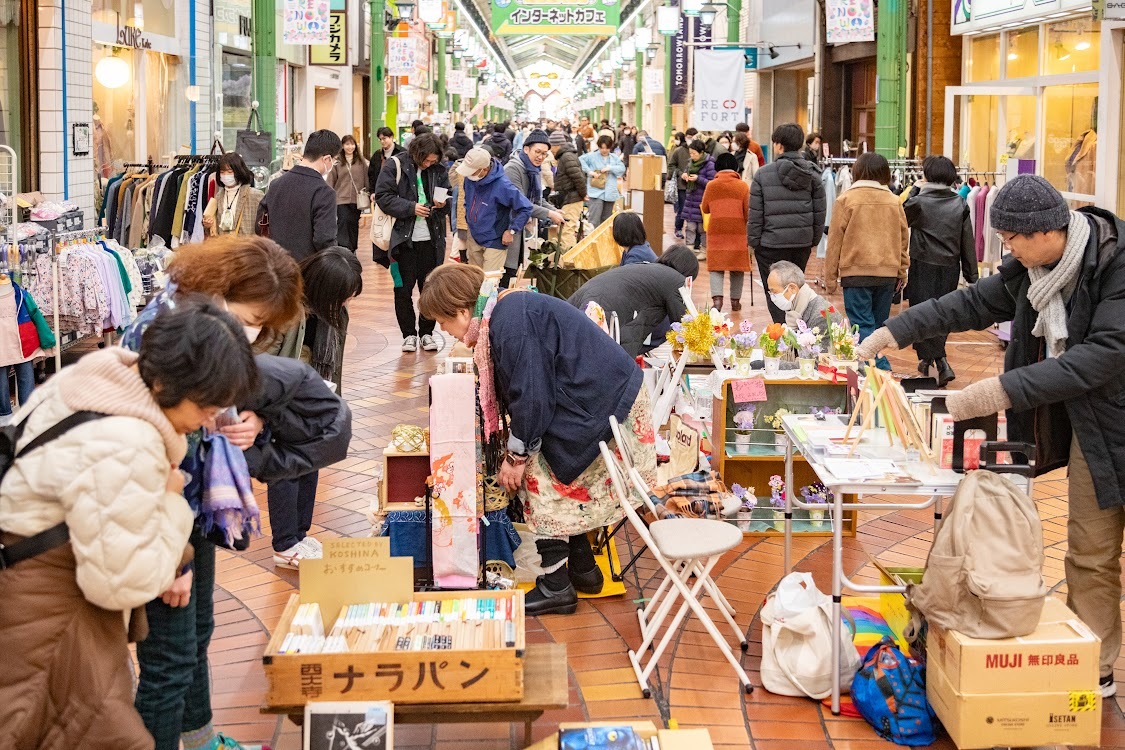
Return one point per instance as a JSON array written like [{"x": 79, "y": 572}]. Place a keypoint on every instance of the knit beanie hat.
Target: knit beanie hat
[
  {"x": 557, "y": 138},
  {"x": 1029, "y": 204},
  {"x": 536, "y": 136}
]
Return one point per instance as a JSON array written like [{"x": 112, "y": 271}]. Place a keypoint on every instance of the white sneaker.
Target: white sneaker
[
  {"x": 1108, "y": 686},
  {"x": 428, "y": 343},
  {"x": 291, "y": 558},
  {"x": 410, "y": 344},
  {"x": 311, "y": 548}
]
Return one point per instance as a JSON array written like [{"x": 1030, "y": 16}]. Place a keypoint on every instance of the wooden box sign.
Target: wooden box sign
[
  {"x": 645, "y": 172},
  {"x": 442, "y": 676}
]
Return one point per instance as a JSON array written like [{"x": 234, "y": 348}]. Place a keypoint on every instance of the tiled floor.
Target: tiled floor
[{"x": 696, "y": 687}]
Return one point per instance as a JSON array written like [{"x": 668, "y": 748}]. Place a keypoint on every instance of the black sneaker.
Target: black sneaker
[
  {"x": 590, "y": 582},
  {"x": 543, "y": 601},
  {"x": 1108, "y": 686}
]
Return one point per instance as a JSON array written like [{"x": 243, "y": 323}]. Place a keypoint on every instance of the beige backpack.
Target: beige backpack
[{"x": 984, "y": 575}]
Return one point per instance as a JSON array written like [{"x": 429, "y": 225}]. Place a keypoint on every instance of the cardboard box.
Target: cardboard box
[
  {"x": 1060, "y": 656},
  {"x": 645, "y": 172},
  {"x": 1015, "y": 719}
]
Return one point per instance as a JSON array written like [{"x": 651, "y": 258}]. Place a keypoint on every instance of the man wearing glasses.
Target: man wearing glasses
[{"x": 1063, "y": 288}]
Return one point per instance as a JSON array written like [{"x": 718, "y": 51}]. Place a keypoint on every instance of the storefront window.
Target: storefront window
[
  {"x": 978, "y": 140},
  {"x": 1072, "y": 46},
  {"x": 151, "y": 16},
  {"x": 115, "y": 108},
  {"x": 984, "y": 59},
  {"x": 1071, "y": 141},
  {"x": 1020, "y": 139},
  {"x": 1022, "y": 52},
  {"x": 237, "y": 77},
  {"x": 167, "y": 111}
]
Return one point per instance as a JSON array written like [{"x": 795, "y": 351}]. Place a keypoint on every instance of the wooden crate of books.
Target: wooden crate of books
[{"x": 358, "y": 631}]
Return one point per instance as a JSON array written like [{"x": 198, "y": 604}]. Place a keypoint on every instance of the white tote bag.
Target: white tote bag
[
  {"x": 797, "y": 641},
  {"x": 382, "y": 223}
]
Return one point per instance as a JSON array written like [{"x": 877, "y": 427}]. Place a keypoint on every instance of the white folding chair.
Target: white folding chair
[{"x": 683, "y": 547}]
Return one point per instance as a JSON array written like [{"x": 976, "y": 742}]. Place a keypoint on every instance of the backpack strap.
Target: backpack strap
[{"x": 56, "y": 430}]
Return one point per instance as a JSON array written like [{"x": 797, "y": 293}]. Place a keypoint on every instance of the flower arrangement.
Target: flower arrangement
[
  {"x": 844, "y": 337},
  {"x": 744, "y": 343},
  {"x": 774, "y": 420},
  {"x": 744, "y": 419},
  {"x": 721, "y": 327},
  {"x": 816, "y": 493},
  {"x": 808, "y": 340},
  {"x": 698, "y": 334},
  {"x": 744, "y": 495},
  {"x": 822, "y": 412},
  {"x": 777, "y": 492},
  {"x": 775, "y": 340}
]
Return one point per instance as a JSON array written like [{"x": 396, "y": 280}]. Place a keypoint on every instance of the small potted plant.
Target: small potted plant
[
  {"x": 743, "y": 429},
  {"x": 774, "y": 421},
  {"x": 843, "y": 338},
  {"x": 808, "y": 347},
  {"x": 819, "y": 494},
  {"x": 748, "y": 500},
  {"x": 777, "y": 501},
  {"x": 773, "y": 343},
  {"x": 743, "y": 343}
]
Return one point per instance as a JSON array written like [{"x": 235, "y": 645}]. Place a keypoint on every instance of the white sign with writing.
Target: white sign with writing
[{"x": 719, "y": 89}]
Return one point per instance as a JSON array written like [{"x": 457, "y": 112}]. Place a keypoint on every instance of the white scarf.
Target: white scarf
[{"x": 1046, "y": 290}]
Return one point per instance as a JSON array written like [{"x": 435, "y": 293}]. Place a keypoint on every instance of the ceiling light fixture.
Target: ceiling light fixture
[
  {"x": 112, "y": 72},
  {"x": 668, "y": 20}
]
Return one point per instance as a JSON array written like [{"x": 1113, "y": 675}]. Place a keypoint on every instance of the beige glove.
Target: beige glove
[
  {"x": 873, "y": 345},
  {"x": 978, "y": 400}
]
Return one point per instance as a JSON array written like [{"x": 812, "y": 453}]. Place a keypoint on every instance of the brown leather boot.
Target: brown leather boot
[
  {"x": 736, "y": 305},
  {"x": 717, "y": 303}
]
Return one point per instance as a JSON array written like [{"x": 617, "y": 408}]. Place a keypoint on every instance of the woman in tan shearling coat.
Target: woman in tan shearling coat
[{"x": 112, "y": 485}]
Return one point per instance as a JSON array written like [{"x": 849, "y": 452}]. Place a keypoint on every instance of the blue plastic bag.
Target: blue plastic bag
[{"x": 889, "y": 691}]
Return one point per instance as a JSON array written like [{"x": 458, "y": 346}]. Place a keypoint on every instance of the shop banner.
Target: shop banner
[
  {"x": 850, "y": 21},
  {"x": 627, "y": 91},
  {"x": 306, "y": 22},
  {"x": 402, "y": 56},
  {"x": 1109, "y": 10},
  {"x": 455, "y": 82},
  {"x": 556, "y": 18},
  {"x": 653, "y": 81},
  {"x": 610, "y": 95},
  {"x": 336, "y": 51},
  {"x": 700, "y": 34},
  {"x": 719, "y": 89}
]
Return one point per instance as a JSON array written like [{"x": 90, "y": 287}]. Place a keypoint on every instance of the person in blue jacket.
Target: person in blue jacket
[
  {"x": 602, "y": 168},
  {"x": 629, "y": 233},
  {"x": 550, "y": 379},
  {"x": 495, "y": 209}
]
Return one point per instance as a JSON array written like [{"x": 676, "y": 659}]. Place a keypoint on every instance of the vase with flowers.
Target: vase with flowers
[
  {"x": 743, "y": 429},
  {"x": 747, "y": 502},
  {"x": 774, "y": 421},
  {"x": 808, "y": 348},
  {"x": 843, "y": 338},
  {"x": 743, "y": 344},
  {"x": 816, "y": 493},
  {"x": 776, "y": 340},
  {"x": 777, "y": 501}
]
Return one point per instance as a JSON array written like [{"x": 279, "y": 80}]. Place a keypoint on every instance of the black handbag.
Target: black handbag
[{"x": 254, "y": 146}]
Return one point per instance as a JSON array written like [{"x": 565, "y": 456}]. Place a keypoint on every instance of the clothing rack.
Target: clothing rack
[
  {"x": 197, "y": 159},
  {"x": 60, "y": 239}
]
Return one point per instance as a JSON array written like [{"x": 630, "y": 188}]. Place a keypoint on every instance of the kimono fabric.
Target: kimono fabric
[
  {"x": 556, "y": 510},
  {"x": 453, "y": 463}
]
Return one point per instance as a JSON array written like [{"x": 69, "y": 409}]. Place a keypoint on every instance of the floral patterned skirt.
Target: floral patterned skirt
[{"x": 556, "y": 510}]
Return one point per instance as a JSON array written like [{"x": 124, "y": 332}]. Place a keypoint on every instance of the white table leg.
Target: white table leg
[{"x": 837, "y": 592}]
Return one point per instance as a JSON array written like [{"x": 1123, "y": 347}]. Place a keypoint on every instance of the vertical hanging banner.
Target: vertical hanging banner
[
  {"x": 850, "y": 21},
  {"x": 556, "y": 17},
  {"x": 719, "y": 89},
  {"x": 401, "y": 56},
  {"x": 700, "y": 34},
  {"x": 306, "y": 22},
  {"x": 455, "y": 82},
  {"x": 336, "y": 51},
  {"x": 654, "y": 81}
]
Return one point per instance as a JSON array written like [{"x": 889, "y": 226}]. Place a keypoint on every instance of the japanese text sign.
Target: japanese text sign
[
  {"x": 336, "y": 51},
  {"x": 596, "y": 18}
]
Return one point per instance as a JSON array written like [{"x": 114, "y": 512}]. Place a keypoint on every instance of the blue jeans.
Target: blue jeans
[
  {"x": 869, "y": 307},
  {"x": 174, "y": 690},
  {"x": 681, "y": 195},
  {"x": 25, "y": 384}
]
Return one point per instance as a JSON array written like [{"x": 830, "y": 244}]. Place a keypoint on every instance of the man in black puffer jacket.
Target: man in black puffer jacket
[
  {"x": 570, "y": 184},
  {"x": 787, "y": 208},
  {"x": 460, "y": 141},
  {"x": 499, "y": 144}
]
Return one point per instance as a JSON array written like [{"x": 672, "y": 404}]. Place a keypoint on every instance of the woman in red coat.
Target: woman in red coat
[{"x": 727, "y": 200}]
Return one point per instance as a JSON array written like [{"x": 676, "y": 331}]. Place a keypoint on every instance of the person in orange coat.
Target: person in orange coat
[{"x": 727, "y": 200}]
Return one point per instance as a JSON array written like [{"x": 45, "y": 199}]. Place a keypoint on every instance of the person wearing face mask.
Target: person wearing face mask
[
  {"x": 799, "y": 301},
  {"x": 300, "y": 207},
  {"x": 260, "y": 284},
  {"x": 524, "y": 170},
  {"x": 496, "y": 210},
  {"x": 348, "y": 178},
  {"x": 236, "y": 200}
]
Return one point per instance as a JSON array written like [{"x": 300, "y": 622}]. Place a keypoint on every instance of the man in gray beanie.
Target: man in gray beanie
[
  {"x": 1063, "y": 289},
  {"x": 570, "y": 186},
  {"x": 524, "y": 169}
]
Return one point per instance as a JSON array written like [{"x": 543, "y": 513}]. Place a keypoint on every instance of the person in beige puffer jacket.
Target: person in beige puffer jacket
[{"x": 113, "y": 481}]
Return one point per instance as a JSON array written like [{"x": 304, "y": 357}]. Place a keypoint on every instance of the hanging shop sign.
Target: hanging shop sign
[
  {"x": 559, "y": 17},
  {"x": 850, "y": 21},
  {"x": 336, "y": 51},
  {"x": 653, "y": 81},
  {"x": 719, "y": 89},
  {"x": 402, "y": 56},
  {"x": 1109, "y": 10},
  {"x": 989, "y": 15},
  {"x": 700, "y": 34},
  {"x": 306, "y": 22},
  {"x": 455, "y": 81}
]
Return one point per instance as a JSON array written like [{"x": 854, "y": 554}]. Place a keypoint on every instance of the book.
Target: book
[{"x": 346, "y": 725}]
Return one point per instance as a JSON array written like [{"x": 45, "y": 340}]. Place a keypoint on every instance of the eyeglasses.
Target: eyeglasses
[{"x": 1006, "y": 241}]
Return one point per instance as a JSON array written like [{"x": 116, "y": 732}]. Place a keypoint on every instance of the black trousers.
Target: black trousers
[
  {"x": 291, "y": 503},
  {"x": 766, "y": 257},
  {"x": 929, "y": 281},
  {"x": 415, "y": 261},
  {"x": 347, "y": 226}
]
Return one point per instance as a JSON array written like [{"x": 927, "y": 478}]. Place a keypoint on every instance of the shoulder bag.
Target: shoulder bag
[
  {"x": 382, "y": 223},
  {"x": 362, "y": 197}
]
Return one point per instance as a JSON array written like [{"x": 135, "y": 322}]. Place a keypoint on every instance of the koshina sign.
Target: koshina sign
[{"x": 555, "y": 17}]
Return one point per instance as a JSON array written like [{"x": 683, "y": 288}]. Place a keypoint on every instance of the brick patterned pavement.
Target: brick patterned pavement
[{"x": 694, "y": 685}]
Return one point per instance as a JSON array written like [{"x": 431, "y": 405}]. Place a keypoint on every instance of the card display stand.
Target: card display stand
[
  {"x": 443, "y": 676},
  {"x": 404, "y": 479},
  {"x": 753, "y": 465}
]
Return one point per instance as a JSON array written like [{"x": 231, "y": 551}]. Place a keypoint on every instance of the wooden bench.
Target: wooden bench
[{"x": 545, "y": 688}]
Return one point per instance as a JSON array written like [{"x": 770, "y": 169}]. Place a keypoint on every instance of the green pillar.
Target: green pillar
[
  {"x": 668, "y": 42},
  {"x": 639, "y": 100},
  {"x": 442, "y": 99},
  {"x": 265, "y": 64},
  {"x": 377, "y": 81},
  {"x": 456, "y": 97},
  {"x": 890, "y": 114},
  {"x": 618, "y": 110},
  {"x": 734, "y": 15}
]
